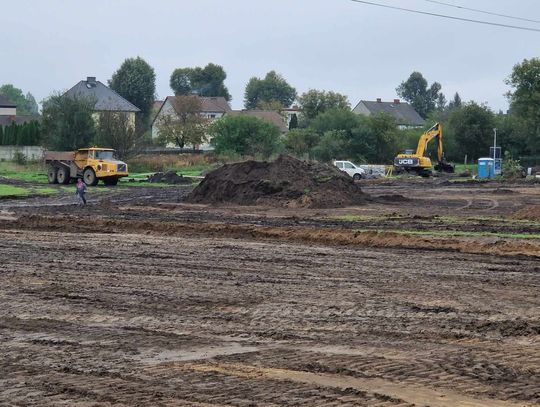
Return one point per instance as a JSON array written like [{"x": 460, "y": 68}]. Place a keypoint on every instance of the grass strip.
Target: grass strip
[{"x": 453, "y": 233}]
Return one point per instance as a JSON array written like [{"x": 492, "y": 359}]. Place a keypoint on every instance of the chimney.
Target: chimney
[
  {"x": 91, "y": 81},
  {"x": 396, "y": 101},
  {"x": 379, "y": 100}
]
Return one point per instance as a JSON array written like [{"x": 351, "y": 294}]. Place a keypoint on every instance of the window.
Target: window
[
  {"x": 104, "y": 155},
  {"x": 212, "y": 116},
  {"x": 339, "y": 164},
  {"x": 349, "y": 166}
]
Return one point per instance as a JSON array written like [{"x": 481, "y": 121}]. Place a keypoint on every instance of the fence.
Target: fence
[{"x": 7, "y": 153}]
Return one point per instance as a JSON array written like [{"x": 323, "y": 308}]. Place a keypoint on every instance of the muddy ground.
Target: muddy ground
[{"x": 140, "y": 299}]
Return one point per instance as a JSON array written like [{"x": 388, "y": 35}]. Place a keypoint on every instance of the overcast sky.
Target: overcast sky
[{"x": 359, "y": 50}]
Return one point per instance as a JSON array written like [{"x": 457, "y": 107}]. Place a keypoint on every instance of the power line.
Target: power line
[
  {"x": 516, "y": 27},
  {"x": 482, "y": 11}
]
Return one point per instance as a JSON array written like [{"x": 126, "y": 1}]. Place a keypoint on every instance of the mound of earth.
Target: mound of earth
[
  {"x": 528, "y": 213},
  {"x": 170, "y": 177},
  {"x": 284, "y": 182}
]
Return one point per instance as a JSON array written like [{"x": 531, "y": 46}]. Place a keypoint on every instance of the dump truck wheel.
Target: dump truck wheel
[
  {"x": 89, "y": 177},
  {"x": 63, "y": 175},
  {"x": 110, "y": 181},
  {"x": 51, "y": 175}
]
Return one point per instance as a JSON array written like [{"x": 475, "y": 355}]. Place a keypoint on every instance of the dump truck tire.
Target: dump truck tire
[
  {"x": 89, "y": 177},
  {"x": 110, "y": 181},
  {"x": 63, "y": 175},
  {"x": 51, "y": 175}
]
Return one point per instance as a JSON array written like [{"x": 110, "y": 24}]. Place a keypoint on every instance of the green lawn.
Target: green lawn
[
  {"x": 453, "y": 233},
  {"x": 29, "y": 173},
  {"x": 16, "y": 191}
]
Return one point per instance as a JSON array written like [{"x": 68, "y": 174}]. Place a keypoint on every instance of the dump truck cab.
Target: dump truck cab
[{"x": 91, "y": 164}]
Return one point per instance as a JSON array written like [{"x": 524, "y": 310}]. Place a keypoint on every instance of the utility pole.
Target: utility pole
[{"x": 494, "y": 145}]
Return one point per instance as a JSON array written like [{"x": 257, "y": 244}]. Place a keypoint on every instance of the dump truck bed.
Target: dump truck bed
[{"x": 59, "y": 156}]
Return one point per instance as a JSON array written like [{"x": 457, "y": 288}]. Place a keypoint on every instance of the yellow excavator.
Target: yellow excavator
[{"x": 418, "y": 162}]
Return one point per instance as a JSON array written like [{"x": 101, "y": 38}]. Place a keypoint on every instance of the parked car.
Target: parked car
[{"x": 352, "y": 169}]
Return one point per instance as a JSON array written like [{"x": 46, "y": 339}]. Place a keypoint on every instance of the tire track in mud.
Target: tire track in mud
[{"x": 135, "y": 325}]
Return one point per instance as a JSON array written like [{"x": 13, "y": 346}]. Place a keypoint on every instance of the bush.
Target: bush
[
  {"x": 19, "y": 158},
  {"x": 245, "y": 135}
]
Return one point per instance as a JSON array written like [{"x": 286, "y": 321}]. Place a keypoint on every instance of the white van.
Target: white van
[{"x": 352, "y": 169}]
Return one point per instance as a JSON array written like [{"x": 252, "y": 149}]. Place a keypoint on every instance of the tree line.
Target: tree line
[{"x": 326, "y": 128}]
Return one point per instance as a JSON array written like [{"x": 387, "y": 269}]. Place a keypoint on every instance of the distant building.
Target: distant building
[
  {"x": 212, "y": 107},
  {"x": 8, "y": 113},
  {"x": 270, "y": 116},
  {"x": 404, "y": 113},
  {"x": 107, "y": 100}
]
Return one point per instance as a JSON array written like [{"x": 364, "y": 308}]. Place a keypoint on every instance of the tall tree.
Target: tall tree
[
  {"x": 135, "y": 80},
  {"x": 67, "y": 122},
  {"x": 26, "y": 105},
  {"x": 186, "y": 126},
  {"x": 525, "y": 98},
  {"x": 115, "y": 131},
  {"x": 472, "y": 128},
  {"x": 455, "y": 103},
  {"x": 415, "y": 90},
  {"x": 315, "y": 102},
  {"x": 272, "y": 88},
  {"x": 207, "y": 81}
]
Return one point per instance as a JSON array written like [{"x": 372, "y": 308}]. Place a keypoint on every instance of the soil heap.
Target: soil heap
[
  {"x": 284, "y": 182},
  {"x": 170, "y": 177}
]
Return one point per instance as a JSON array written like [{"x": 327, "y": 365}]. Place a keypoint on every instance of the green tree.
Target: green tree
[
  {"x": 415, "y": 90},
  {"x": 67, "y": 122},
  {"x": 272, "y": 88},
  {"x": 333, "y": 144},
  {"x": 186, "y": 126},
  {"x": 245, "y": 135},
  {"x": 315, "y": 102},
  {"x": 207, "y": 81},
  {"x": 135, "y": 81},
  {"x": 180, "y": 81},
  {"x": 115, "y": 131},
  {"x": 300, "y": 142},
  {"x": 472, "y": 128},
  {"x": 455, "y": 103},
  {"x": 26, "y": 105},
  {"x": 525, "y": 99}
]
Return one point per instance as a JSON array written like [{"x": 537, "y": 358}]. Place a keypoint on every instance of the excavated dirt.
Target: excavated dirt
[
  {"x": 169, "y": 177},
  {"x": 142, "y": 299},
  {"x": 528, "y": 213},
  {"x": 284, "y": 182}
]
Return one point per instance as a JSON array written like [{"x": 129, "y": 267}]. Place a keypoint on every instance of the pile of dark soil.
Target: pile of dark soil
[
  {"x": 285, "y": 182},
  {"x": 170, "y": 177}
]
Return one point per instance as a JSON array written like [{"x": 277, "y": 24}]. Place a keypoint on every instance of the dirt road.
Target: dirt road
[{"x": 185, "y": 305}]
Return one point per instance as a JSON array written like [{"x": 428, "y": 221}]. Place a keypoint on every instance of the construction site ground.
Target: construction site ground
[{"x": 427, "y": 295}]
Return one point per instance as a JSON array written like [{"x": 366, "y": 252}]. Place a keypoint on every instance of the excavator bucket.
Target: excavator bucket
[{"x": 443, "y": 166}]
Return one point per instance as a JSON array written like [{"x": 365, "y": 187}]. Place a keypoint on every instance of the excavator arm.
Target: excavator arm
[{"x": 434, "y": 132}]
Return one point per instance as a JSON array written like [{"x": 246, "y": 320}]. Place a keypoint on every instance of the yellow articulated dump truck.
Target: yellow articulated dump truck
[{"x": 90, "y": 164}]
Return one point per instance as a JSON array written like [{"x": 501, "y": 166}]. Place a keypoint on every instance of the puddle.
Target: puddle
[{"x": 206, "y": 352}]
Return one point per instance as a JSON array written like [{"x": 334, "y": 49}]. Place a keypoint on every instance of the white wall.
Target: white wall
[
  {"x": 30, "y": 152},
  {"x": 8, "y": 111}
]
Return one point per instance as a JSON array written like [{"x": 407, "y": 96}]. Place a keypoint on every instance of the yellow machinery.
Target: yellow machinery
[
  {"x": 90, "y": 164},
  {"x": 417, "y": 161}
]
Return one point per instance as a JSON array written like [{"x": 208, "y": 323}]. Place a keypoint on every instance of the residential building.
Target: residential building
[
  {"x": 212, "y": 107},
  {"x": 270, "y": 116},
  {"x": 8, "y": 113},
  {"x": 404, "y": 113},
  {"x": 107, "y": 100}
]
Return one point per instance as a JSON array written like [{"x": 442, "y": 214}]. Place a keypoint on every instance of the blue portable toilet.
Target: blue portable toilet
[{"x": 486, "y": 168}]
